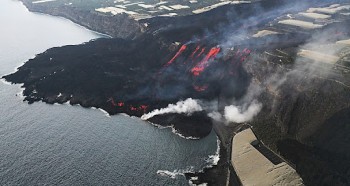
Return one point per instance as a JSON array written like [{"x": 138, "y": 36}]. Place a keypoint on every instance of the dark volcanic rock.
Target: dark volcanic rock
[
  {"x": 133, "y": 77},
  {"x": 304, "y": 115},
  {"x": 317, "y": 165},
  {"x": 216, "y": 175},
  {"x": 89, "y": 73},
  {"x": 197, "y": 125}
]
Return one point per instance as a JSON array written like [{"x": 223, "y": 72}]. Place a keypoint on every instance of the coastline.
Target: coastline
[
  {"x": 292, "y": 104},
  {"x": 91, "y": 20},
  {"x": 76, "y": 23},
  {"x": 210, "y": 174},
  {"x": 204, "y": 175},
  {"x": 220, "y": 173},
  {"x": 18, "y": 102},
  {"x": 29, "y": 9}
]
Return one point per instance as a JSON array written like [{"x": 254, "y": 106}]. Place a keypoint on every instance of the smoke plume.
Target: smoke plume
[{"x": 188, "y": 106}]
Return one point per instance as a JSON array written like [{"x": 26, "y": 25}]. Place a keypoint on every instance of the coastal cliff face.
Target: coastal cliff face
[
  {"x": 309, "y": 127},
  {"x": 305, "y": 115},
  {"x": 118, "y": 26}
]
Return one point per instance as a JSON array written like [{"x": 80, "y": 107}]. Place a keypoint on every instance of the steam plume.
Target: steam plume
[
  {"x": 237, "y": 114},
  {"x": 188, "y": 106}
]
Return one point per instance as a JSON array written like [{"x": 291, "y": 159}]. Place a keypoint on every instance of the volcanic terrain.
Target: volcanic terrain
[{"x": 293, "y": 60}]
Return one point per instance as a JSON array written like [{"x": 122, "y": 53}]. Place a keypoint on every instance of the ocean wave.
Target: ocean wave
[
  {"x": 92, "y": 108},
  {"x": 67, "y": 103},
  {"x": 105, "y": 112},
  {"x": 175, "y": 173},
  {"x": 157, "y": 125},
  {"x": 213, "y": 160},
  {"x": 173, "y": 130},
  {"x": 190, "y": 182},
  {"x": 124, "y": 114},
  {"x": 20, "y": 94},
  {"x": 5, "y": 82}
]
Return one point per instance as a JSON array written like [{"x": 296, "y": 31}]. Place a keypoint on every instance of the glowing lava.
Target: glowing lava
[
  {"x": 202, "y": 51},
  {"x": 227, "y": 66},
  {"x": 182, "y": 49},
  {"x": 200, "y": 88},
  {"x": 132, "y": 108},
  {"x": 195, "y": 51},
  {"x": 119, "y": 104},
  {"x": 142, "y": 108},
  {"x": 200, "y": 67}
]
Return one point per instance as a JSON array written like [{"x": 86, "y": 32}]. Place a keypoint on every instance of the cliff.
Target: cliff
[
  {"x": 118, "y": 26},
  {"x": 306, "y": 119}
]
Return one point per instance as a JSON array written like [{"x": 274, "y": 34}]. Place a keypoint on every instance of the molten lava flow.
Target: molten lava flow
[
  {"x": 195, "y": 51},
  {"x": 200, "y": 88},
  {"x": 202, "y": 51},
  {"x": 119, "y": 104},
  {"x": 183, "y": 48},
  {"x": 143, "y": 108},
  {"x": 200, "y": 67},
  {"x": 213, "y": 52}
]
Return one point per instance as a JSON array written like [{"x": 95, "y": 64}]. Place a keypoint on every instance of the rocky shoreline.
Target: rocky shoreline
[
  {"x": 222, "y": 173},
  {"x": 305, "y": 104},
  {"x": 215, "y": 175},
  {"x": 195, "y": 127}
]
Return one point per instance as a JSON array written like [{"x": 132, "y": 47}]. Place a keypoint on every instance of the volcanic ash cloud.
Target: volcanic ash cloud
[{"x": 187, "y": 106}]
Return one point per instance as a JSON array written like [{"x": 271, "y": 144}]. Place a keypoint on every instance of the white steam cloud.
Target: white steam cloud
[
  {"x": 188, "y": 106},
  {"x": 232, "y": 113},
  {"x": 237, "y": 114}
]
